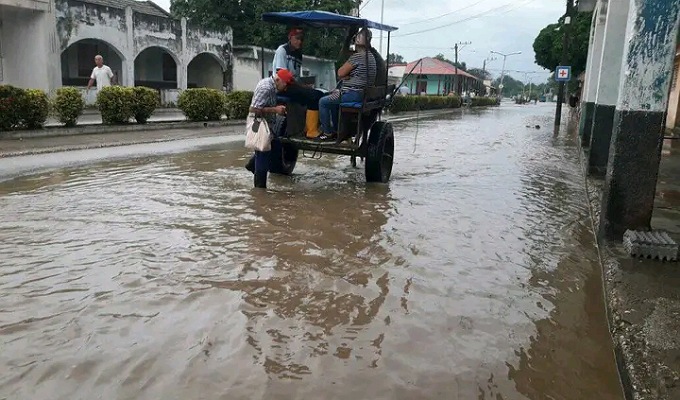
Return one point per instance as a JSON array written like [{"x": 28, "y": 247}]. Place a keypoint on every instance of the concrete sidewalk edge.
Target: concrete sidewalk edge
[
  {"x": 103, "y": 129},
  {"x": 640, "y": 374}
]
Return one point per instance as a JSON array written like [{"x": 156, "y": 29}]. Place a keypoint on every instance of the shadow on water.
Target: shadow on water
[{"x": 471, "y": 275}]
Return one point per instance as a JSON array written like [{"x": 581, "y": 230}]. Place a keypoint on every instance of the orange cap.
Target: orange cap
[{"x": 285, "y": 76}]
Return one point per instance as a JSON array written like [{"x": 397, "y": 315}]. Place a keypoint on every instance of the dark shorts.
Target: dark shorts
[{"x": 305, "y": 96}]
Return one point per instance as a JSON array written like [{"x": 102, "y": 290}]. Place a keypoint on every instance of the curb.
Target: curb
[
  {"x": 626, "y": 345},
  {"x": 103, "y": 129},
  {"x": 48, "y": 150}
]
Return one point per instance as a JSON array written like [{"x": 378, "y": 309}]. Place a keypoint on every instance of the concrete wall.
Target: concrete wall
[
  {"x": 130, "y": 34},
  {"x": 18, "y": 28},
  {"x": 248, "y": 69},
  {"x": 37, "y": 5},
  {"x": 205, "y": 71}
]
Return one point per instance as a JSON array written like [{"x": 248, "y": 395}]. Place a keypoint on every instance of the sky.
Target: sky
[{"x": 505, "y": 26}]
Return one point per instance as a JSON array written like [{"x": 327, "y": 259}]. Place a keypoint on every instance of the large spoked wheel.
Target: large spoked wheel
[
  {"x": 380, "y": 154},
  {"x": 284, "y": 156}
]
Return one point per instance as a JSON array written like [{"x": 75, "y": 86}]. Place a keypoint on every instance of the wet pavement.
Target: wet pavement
[
  {"x": 92, "y": 116},
  {"x": 158, "y": 272},
  {"x": 644, "y": 295}
]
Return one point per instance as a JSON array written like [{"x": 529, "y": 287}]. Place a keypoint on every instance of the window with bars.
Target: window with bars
[{"x": 676, "y": 70}]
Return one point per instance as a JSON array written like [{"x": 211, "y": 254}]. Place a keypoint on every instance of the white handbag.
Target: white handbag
[{"x": 258, "y": 135}]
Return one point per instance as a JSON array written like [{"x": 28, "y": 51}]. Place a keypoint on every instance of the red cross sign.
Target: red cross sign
[{"x": 563, "y": 74}]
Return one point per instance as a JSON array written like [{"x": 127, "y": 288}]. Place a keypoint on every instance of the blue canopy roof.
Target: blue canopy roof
[{"x": 322, "y": 19}]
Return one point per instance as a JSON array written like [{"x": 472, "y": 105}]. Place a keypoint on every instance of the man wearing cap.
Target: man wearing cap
[
  {"x": 264, "y": 104},
  {"x": 289, "y": 56}
]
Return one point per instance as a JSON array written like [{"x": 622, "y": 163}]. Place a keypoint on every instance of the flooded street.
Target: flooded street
[{"x": 471, "y": 275}]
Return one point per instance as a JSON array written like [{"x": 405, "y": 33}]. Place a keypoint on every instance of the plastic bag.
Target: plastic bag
[{"x": 258, "y": 135}]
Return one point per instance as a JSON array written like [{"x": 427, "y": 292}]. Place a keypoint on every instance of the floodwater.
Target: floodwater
[{"x": 471, "y": 275}]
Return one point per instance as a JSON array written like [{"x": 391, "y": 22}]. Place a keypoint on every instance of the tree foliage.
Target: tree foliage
[
  {"x": 548, "y": 44},
  {"x": 479, "y": 73},
  {"x": 394, "y": 58},
  {"x": 244, "y": 17},
  {"x": 460, "y": 65}
]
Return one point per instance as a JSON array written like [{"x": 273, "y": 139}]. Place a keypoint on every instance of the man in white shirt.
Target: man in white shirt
[{"x": 101, "y": 73}]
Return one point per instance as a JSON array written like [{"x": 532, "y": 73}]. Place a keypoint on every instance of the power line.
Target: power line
[
  {"x": 444, "y": 15},
  {"x": 516, "y": 6},
  {"x": 455, "y": 22},
  {"x": 365, "y": 4}
]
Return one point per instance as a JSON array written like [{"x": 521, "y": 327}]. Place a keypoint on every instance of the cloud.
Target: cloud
[{"x": 505, "y": 26}]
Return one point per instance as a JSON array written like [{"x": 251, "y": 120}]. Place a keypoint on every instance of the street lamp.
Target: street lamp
[{"x": 505, "y": 56}]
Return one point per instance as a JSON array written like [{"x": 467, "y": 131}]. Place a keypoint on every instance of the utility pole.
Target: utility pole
[
  {"x": 565, "y": 59},
  {"x": 505, "y": 56},
  {"x": 457, "y": 78},
  {"x": 382, "y": 15}
]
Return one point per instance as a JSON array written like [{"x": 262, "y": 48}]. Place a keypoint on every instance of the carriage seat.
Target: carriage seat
[{"x": 375, "y": 98}]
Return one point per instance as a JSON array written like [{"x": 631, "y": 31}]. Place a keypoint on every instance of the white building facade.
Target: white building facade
[{"x": 140, "y": 41}]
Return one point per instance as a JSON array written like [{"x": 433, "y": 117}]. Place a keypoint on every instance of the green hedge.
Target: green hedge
[
  {"x": 413, "y": 103},
  {"x": 146, "y": 100},
  {"x": 35, "y": 108},
  {"x": 238, "y": 104},
  {"x": 202, "y": 104},
  {"x": 68, "y": 105},
  {"x": 115, "y": 103},
  {"x": 11, "y": 100},
  {"x": 484, "y": 101},
  {"x": 22, "y": 108}
]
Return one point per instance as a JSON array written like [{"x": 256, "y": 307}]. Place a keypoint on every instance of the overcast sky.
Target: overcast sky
[{"x": 505, "y": 26}]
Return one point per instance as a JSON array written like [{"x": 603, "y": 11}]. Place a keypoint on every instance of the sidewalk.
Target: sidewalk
[
  {"x": 91, "y": 116},
  {"x": 643, "y": 296}
]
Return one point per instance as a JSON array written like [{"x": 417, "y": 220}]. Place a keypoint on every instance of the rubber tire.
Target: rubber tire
[
  {"x": 283, "y": 156},
  {"x": 380, "y": 145}
]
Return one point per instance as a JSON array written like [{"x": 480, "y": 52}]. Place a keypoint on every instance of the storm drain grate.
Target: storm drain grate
[{"x": 654, "y": 244}]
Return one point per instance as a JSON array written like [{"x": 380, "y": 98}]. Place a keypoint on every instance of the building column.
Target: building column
[
  {"x": 635, "y": 153},
  {"x": 608, "y": 85},
  {"x": 129, "y": 56},
  {"x": 592, "y": 78},
  {"x": 183, "y": 65}
]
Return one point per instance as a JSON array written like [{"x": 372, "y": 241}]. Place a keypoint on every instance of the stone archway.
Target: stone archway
[
  {"x": 158, "y": 68},
  {"x": 77, "y": 61},
  {"x": 206, "y": 70}
]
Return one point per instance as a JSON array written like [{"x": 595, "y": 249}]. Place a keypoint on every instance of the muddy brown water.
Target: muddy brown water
[{"x": 472, "y": 275}]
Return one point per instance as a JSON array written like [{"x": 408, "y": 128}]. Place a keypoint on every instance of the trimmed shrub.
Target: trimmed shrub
[
  {"x": 35, "y": 107},
  {"x": 115, "y": 103},
  {"x": 145, "y": 103},
  {"x": 413, "y": 103},
  {"x": 11, "y": 102},
  {"x": 484, "y": 101},
  {"x": 238, "y": 104},
  {"x": 68, "y": 105},
  {"x": 202, "y": 104}
]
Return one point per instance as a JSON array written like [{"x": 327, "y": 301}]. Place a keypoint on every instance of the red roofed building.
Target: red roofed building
[{"x": 435, "y": 77}]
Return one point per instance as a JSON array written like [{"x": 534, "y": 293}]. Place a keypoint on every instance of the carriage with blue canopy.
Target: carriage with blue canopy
[{"x": 365, "y": 135}]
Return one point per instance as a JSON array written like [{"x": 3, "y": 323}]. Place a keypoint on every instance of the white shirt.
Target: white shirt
[{"x": 102, "y": 75}]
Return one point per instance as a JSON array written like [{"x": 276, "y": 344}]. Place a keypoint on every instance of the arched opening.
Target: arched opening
[
  {"x": 156, "y": 68},
  {"x": 77, "y": 61},
  {"x": 205, "y": 71}
]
